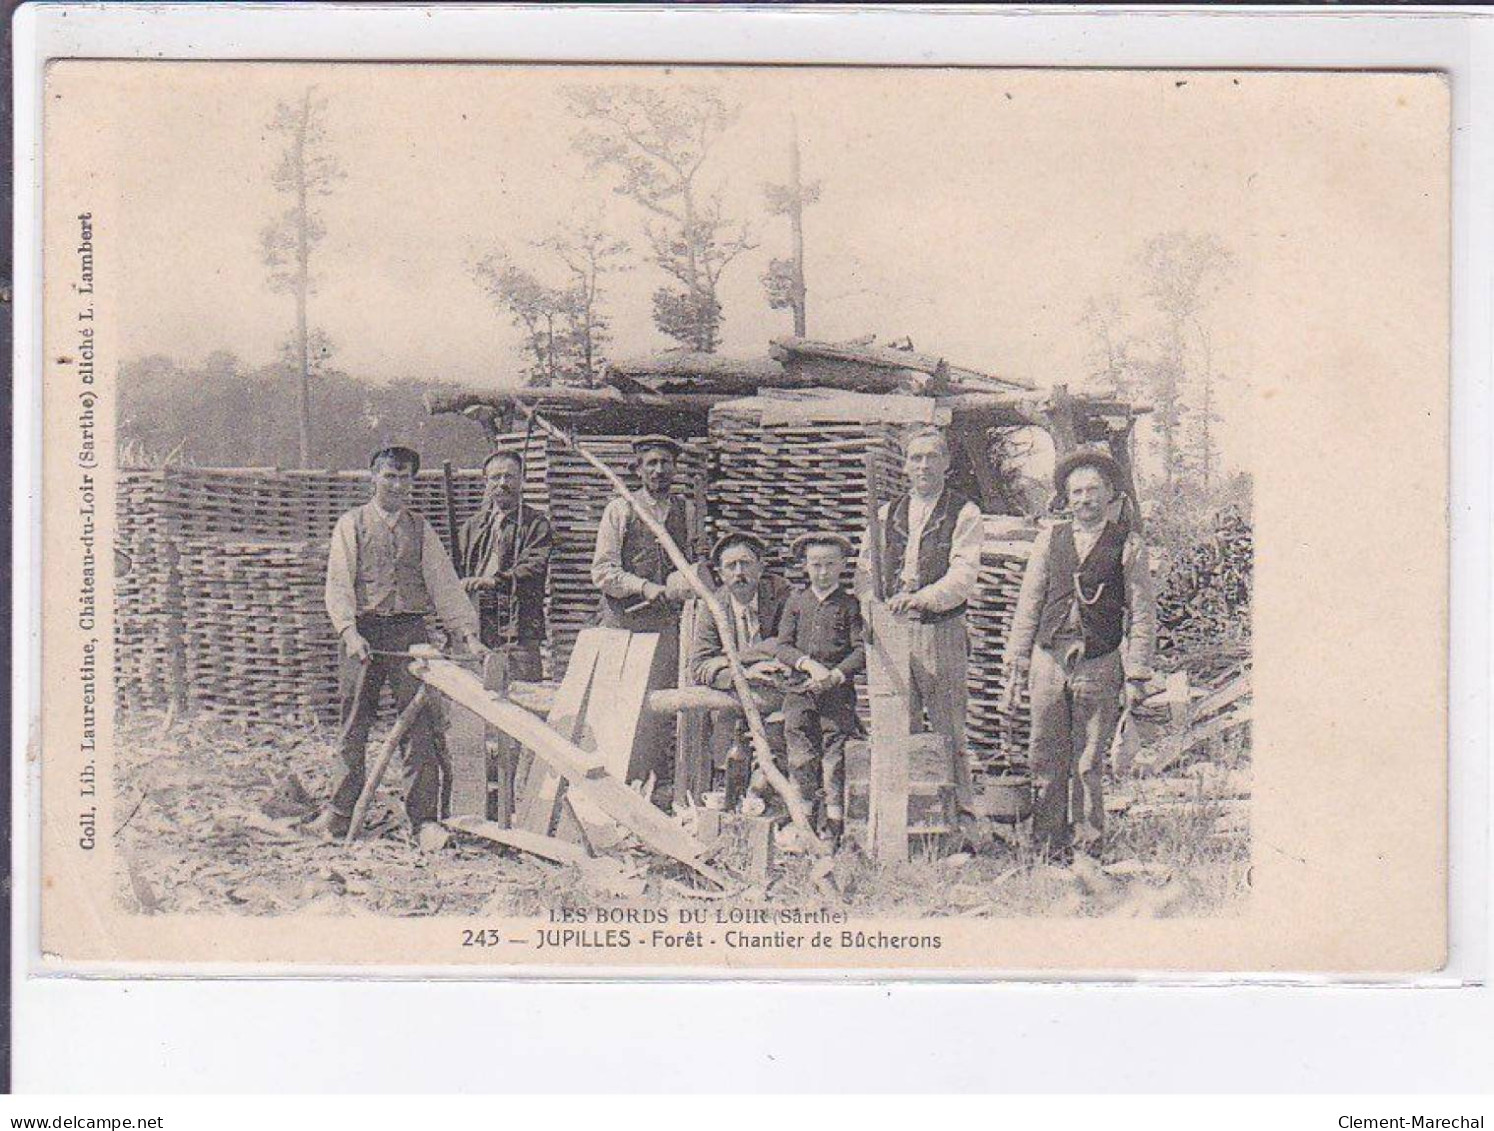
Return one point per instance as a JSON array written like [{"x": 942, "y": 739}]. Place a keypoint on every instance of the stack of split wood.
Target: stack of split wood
[
  {"x": 997, "y": 737},
  {"x": 258, "y": 645},
  {"x": 147, "y": 623},
  {"x": 1205, "y": 594},
  {"x": 1186, "y": 721},
  {"x": 780, "y": 477}
]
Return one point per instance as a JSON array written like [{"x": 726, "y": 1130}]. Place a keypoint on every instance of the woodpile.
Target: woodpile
[
  {"x": 147, "y": 598},
  {"x": 1205, "y": 594},
  {"x": 258, "y": 646},
  {"x": 997, "y": 739},
  {"x": 783, "y": 479}
]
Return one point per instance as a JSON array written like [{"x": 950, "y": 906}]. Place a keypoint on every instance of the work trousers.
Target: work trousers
[
  {"x": 523, "y": 661},
  {"x": 940, "y": 659},
  {"x": 426, "y": 772},
  {"x": 731, "y": 744},
  {"x": 1075, "y": 709},
  {"x": 815, "y": 728}
]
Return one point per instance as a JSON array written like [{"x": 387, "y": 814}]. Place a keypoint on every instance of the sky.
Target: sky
[{"x": 977, "y": 212}]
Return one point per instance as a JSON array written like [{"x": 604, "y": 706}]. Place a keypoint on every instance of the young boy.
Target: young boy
[{"x": 820, "y": 635}]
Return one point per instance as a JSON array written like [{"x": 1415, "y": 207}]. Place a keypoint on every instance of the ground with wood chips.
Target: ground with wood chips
[{"x": 207, "y": 816}]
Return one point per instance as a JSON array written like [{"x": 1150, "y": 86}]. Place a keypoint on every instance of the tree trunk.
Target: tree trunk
[
  {"x": 796, "y": 223},
  {"x": 303, "y": 285}
]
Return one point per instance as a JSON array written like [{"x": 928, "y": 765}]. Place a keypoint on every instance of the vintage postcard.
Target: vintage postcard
[{"x": 537, "y": 519}]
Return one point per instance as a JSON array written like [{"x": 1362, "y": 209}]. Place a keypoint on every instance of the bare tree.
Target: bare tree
[
  {"x": 534, "y": 307},
  {"x": 1183, "y": 272},
  {"x": 306, "y": 171},
  {"x": 784, "y": 280},
  {"x": 657, "y": 142}
]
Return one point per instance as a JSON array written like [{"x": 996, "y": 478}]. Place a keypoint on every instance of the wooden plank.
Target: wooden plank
[
  {"x": 542, "y": 789},
  {"x": 619, "y": 689},
  {"x": 467, "y": 754},
  {"x": 739, "y": 843},
  {"x": 692, "y": 755},
  {"x": 586, "y": 780},
  {"x": 888, "y": 671},
  {"x": 546, "y": 847}
]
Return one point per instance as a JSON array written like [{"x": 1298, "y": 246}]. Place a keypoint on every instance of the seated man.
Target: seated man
[{"x": 753, "y": 601}]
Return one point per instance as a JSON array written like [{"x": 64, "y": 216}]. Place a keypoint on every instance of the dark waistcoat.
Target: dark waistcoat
[
  {"x": 934, "y": 547},
  {"x": 644, "y": 557},
  {"x": 389, "y": 579},
  {"x": 1097, "y": 585}
]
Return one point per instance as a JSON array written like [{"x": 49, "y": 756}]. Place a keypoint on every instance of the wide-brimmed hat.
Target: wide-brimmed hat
[
  {"x": 821, "y": 538},
  {"x": 1103, "y": 462},
  {"x": 737, "y": 538},
  {"x": 403, "y": 457},
  {"x": 664, "y": 443}
]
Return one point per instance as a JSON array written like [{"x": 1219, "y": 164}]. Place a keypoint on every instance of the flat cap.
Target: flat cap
[
  {"x": 737, "y": 538},
  {"x": 665, "y": 443},
  {"x": 402, "y": 457},
  {"x": 821, "y": 538}
]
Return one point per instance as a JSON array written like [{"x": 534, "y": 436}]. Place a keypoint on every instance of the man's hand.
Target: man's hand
[
  {"x": 764, "y": 670},
  {"x": 817, "y": 672},
  {"x": 1134, "y": 693},
  {"x": 903, "y": 604},
  {"x": 677, "y": 588},
  {"x": 652, "y": 591},
  {"x": 478, "y": 584},
  {"x": 834, "y": 677},
  {"x": 475, "y": 646},
  {"x": 357, "y": 646}
]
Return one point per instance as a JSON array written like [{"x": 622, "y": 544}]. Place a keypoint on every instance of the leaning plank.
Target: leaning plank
[
  {"x": 543, "y": 788},
  {"x": 888, "y": 671},
  {"x": 546, "y": 847},
  {"x": 585, "y": 778}
]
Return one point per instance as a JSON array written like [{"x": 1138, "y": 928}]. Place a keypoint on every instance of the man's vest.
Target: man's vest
[
  {"x": 644, "y": 557},
  {"x": 934, "y": 547},
  {"x": 1097, "y": 586},
  {"x": 389, "y": 580}
]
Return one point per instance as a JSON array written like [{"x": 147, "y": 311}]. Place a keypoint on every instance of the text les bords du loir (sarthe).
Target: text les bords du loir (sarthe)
[{"x": 87, "y": 491}]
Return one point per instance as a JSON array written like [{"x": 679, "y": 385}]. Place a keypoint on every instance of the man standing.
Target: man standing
[
  {"x": 1087, "y": 592},
  {"x": 386, "y": 572},
  {"x": 641, "y": 589},
  {"x": 504, "y": 550},
  {"x": 753, "y": 601},
  {"x": 930, "y": 559}
]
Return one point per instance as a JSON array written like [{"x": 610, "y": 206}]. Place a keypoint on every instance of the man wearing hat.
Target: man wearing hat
[
  {"x": 641, "y": 590},
  {"x": 1082, "y": 639},
  {"x": 505, "y": 553},
  {"x": 753, "y": 601},
  {"x": 386, "y": 572},
  {"x": 930, "y": 559}
]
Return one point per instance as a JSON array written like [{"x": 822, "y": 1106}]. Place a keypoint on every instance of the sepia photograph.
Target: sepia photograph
[{"x": 738, "y": 518}]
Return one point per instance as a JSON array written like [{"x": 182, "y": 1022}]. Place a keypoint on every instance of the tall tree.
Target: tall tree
[
  {"x": 566, "y": 329},
  {"x": 657, "y": 141},
  {"x": 588, "y": 253},
  {"x": 1182, "y": 273},
  {"x": 784, "y": 280},
  {"x": 305, "y": 172}
]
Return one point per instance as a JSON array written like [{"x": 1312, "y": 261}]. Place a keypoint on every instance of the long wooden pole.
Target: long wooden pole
[
  {"x": 402, "y": 727},
  {"x": 756, "y": 728}
]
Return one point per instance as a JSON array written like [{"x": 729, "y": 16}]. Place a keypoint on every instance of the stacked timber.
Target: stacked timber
[
  {"x": 147, "y": 598},
  {"x": 997, "y": 738},
  {"x": 258, "y": 645},
  {"x": 781, "y": 478}
]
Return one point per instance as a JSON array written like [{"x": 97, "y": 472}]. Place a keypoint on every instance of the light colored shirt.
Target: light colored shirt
[
  {"x": 452, "y": 604},
  {"x": 958, "y": 584},
  {"x": 748, "y": 620},
  {"x": 607, "y": 572},
  {"x": 1141, "y": 602}
]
